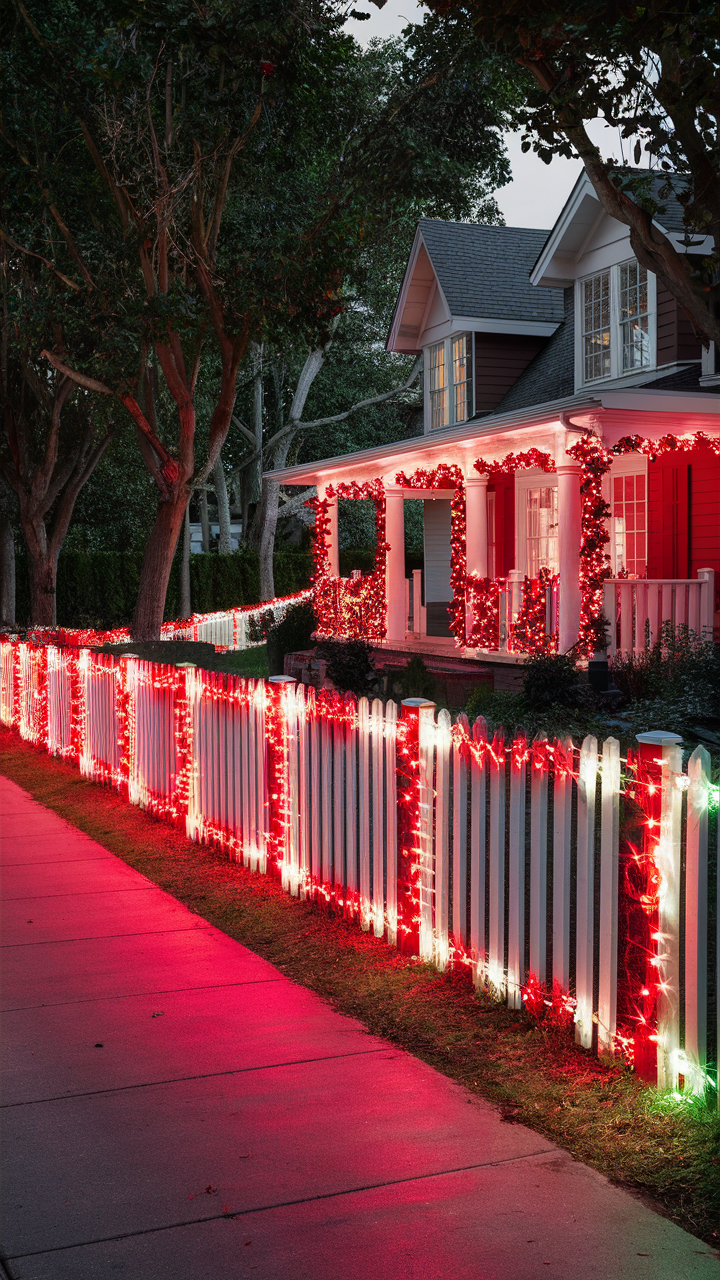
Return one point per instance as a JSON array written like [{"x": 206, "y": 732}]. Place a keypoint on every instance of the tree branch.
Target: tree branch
[
  {"x": 21, "y": 249},
  {"x": 293, "y": 426}
]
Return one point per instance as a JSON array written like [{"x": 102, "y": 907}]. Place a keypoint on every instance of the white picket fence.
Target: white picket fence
[{"x": 515, "y": 844}]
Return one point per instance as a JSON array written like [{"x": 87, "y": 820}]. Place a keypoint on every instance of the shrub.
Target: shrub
[
  {"x": 550, "y": 680},
  {"x": 350, "y": 665},
  {"x": 292, "y": 632},
  {"x": 415, "y": 681}
]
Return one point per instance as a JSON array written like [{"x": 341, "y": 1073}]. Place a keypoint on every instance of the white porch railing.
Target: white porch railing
[
  {"x": 638, "y": 609},
  {"x": 414, "y": 607}
]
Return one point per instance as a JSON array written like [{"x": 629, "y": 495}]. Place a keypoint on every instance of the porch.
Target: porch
[{"x": 526, "y": 547}]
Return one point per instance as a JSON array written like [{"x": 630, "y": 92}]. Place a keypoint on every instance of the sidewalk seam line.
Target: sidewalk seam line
[
  {"x": 289, "y": 1204},
  {"x": 205, "y": 1075}
]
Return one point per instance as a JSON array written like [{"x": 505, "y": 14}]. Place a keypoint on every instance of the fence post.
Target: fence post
[
  {"x": 282, "y": 798},
  {"x": 661, "y": 758},
  {"x": 696, "y": 919},
  {"x": 495, "y": 970},
  {"x": 460, "y": 785},
  {"x": 443, "y": 736},
  {"x": 609, "y": 853},
  {"x": 414, "y": 854}
]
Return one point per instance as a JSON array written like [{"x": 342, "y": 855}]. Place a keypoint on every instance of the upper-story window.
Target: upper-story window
[
  {"x": 615, "y": 320},
  {"x": 450, "y": 380}
]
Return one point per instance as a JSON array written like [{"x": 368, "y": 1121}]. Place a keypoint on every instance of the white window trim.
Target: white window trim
[
  {"x": 631, "y": 464},
  {"x": 447, "y": 342},
  {"x": 525, "y": 480},
  {"x": 616, "y": 373}
]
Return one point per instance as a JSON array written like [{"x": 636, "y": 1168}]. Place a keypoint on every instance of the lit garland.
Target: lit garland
[
  {"x": 529, "y": 631},
  {"x": 513, "y": 462},
  {"x": 594, "y": 560},
  {"x": 408, "y": 832},
  {"x": 654, "y": 449},
  {"x": 447, "y": 476},
  {"x": 351, "y": 608},
  {"x": 483, "y": 598},
  {"x": 636, "y": 1036}
]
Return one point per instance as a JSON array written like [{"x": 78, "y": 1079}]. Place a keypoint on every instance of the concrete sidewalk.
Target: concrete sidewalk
[{"x": 176, "y": 1109}]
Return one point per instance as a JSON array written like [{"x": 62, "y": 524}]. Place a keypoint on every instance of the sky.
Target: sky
[{"x": 538, "y": 191}]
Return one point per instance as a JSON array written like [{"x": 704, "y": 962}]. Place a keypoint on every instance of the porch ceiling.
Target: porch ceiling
[{"x": 614, "y": 413}]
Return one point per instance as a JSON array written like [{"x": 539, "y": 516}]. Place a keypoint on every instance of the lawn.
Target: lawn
[{"x": 663, "y": 1148}]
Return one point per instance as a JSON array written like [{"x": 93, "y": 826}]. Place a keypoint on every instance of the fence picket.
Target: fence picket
[
  {"x": 585, "y": 914},
  {"x": 391, "y": 822},
  {"x": 351, "y": 869},
  {"x": 562, "y": 812},
  {"x": 496, "y": 888},
  {"x": 378, "y": 893},
  {"x": 696, "y": 918},
  {"x": 478, "y": 848},
  {"x": 516, "y": 875},
  {"x": 460, "y": 841},
  {"x": 364, "y": 810},
  {"x": 609, "y": 845},
  {"x": 538, "y": 859}
]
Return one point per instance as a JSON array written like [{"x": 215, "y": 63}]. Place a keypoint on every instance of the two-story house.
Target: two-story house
[{"x": 559, "y": 376}]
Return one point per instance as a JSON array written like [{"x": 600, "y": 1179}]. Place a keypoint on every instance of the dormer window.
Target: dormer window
[
  {"x": 616, "y": 336},
  {"x": 449, "y": 366}
]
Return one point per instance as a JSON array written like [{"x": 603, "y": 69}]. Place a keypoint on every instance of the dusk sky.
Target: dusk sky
[{"x": 538, "y": 191}]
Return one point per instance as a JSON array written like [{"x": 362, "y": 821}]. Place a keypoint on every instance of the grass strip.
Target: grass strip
[{"x": 665, "y": 1149}]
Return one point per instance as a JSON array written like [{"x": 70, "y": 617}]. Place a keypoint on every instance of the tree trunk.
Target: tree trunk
[
  {"x": 156, "y": 566},
  {"x": 269, "y": 504},
  {"x": 185, "y": 597},
  {"x": 7, "y": 571},
  {"x": 42, "y": 571},
  {"x": 223, "y": 502},
  {"x": 204, "y": 520}
]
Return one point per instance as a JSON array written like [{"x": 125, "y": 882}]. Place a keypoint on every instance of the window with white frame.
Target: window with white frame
[
  {"x": 450, "y": 381},
  {"x": 628, "y": 505},
  {"x": 616, "y": 325}
]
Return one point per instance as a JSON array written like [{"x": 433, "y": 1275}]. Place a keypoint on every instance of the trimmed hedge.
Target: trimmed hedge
[{"x": 99, "y": 588}]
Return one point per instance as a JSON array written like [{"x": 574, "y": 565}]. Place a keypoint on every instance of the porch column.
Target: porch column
[
  {"x": 476, "y": 525},
  {"x": 333, "y": 543},
  {"x": 395, "y": 565},
  {"x": 569, "y": 538}
]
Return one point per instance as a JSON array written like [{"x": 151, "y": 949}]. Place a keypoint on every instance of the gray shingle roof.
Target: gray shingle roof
[
  {"x": 551, "y": 374},
  {"x": 485, "y": 271}
]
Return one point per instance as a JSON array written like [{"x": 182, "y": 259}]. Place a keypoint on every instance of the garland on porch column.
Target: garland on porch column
[
  {"x": 594, "y": 560},
  {"x": 349, "y": 607},
  {"x": 444, "y": 476}
]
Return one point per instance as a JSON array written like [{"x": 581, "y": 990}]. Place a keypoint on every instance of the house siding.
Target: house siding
[
  {"x": 675, "y": 338},
  {"x": 552, "y": 373},
  {"x": 500, "y": 359},
  {"x": 683, "y": 526}
]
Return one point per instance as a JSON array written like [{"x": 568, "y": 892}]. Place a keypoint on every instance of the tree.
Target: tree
[
  {"x": 653, "y": 73},
  {"x": 428, "y": 110},
  {"x": 173, "y": 111},
  {"x": 54, "y": 435}
]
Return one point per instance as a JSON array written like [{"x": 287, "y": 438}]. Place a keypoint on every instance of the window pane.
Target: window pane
[
  {"x": 634, "y": 326},
  {"x": 596, "y": 326},
  {"x": 629, "y": 516},
  {"x": 461, "y": 353},
  {"x": 438, "y": 387}
]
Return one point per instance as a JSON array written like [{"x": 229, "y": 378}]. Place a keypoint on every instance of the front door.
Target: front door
[{"x": 437, "y": 549}]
